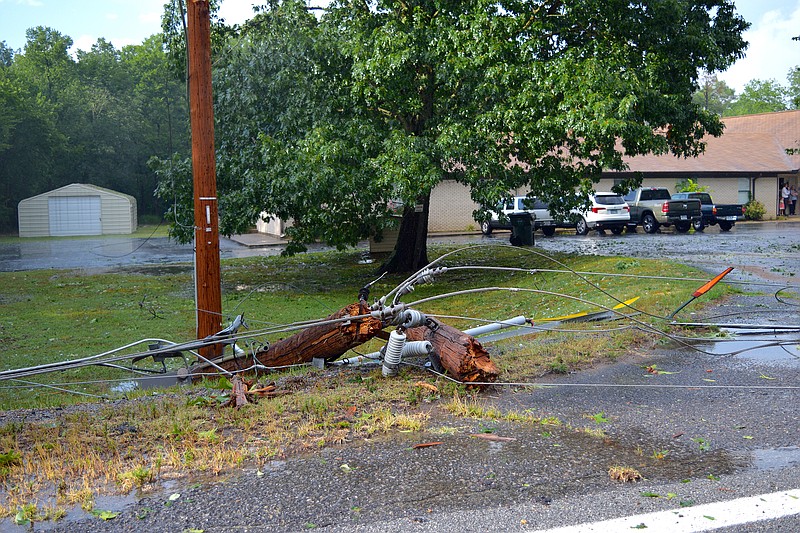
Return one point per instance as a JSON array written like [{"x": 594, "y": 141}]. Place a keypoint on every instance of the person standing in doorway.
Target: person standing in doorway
[
  {"x": 785, "y": 194},
  {"x": 792, "y": 200}
]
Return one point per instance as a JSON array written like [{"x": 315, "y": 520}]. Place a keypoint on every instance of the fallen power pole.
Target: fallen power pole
[
  {"x": 458, "y": 354},
  {"x": 325, "y": 341},
  {"x": 208, "y": 295}
]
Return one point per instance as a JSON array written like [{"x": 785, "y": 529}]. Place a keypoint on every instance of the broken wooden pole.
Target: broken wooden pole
[
  {"x": 461, "y": 355},
  {"x": 325, "y": 341}
]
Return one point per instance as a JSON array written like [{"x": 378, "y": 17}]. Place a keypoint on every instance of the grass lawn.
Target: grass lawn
[
  {"x": 143, "y": 231},
  {"x": 123, "y": 440}
]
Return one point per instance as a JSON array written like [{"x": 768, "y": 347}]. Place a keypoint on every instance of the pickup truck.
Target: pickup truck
[
  {"x": 653, "y": 207},
  {"x": 725, "y": 215}
]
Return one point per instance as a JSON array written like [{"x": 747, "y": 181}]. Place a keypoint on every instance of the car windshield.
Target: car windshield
[{"x": 609, "y": 199}]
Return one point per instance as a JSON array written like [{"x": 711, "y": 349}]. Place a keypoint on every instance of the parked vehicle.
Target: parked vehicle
[
  {"x": 725, "y": 215},
  {"x": 653, "y": 207},
  {"x": 607, "y": 212},
  {"x": 521, "y": 204}
]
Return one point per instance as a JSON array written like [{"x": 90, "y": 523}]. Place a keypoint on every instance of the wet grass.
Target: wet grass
[
  {"x": 143, "y": 231},
  {"x": 61, "y": 460}
]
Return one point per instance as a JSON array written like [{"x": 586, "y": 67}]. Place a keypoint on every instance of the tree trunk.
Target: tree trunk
[
  {"x": 328, "y": 341},
  {"x": 461, "y": 355},
  {"x": 411, "y": 251}
]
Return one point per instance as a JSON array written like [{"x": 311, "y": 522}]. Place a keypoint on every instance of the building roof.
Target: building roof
[
  {"x": 784, "y": 125},
  {"x": 732, "y": 153}
]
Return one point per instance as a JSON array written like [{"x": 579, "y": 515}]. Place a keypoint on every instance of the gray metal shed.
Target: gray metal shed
[{"x": 77, "y": 209}]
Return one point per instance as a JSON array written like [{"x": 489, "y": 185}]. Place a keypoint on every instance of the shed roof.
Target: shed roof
[{"x": 84, "y": 186}]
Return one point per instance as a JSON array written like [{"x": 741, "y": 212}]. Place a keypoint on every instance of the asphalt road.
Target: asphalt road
[{"x": 713, "y": 426}]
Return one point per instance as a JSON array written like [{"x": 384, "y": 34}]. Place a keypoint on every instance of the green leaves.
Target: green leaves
[
  {"x": 105, "y": 515},
  {"x": 325, "y": 121}
]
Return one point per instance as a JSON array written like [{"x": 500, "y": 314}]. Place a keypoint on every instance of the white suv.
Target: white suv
[
  {"x": 521, "y": 204},
  {"x": 608, "y": 211}
]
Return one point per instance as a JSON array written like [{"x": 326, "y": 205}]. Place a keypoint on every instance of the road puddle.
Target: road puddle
[
  {"x": 762, "y": 348},
  {"x": 776, "y": 458}
]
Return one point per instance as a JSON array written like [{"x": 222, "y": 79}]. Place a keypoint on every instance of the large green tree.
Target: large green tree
[
  {"x": 714, "y": 95},
  {"x": 759, "y": 96},
  {"x": 793, "y": 90},
  {"x": 397, "y": 95}
]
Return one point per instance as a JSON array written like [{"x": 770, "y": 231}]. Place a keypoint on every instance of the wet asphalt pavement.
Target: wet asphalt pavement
[{"x": 711, "y": 427}]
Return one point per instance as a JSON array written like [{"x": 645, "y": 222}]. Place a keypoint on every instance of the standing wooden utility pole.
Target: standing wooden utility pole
[{"x": 206, "y": 231}]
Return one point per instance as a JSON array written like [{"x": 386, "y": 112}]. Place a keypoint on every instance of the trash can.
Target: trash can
[{"x": 521, "y": 229}]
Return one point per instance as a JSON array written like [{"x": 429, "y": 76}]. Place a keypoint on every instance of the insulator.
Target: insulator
[
  {"x": 417, "y": 348},
  {"x": 427, "y": 275},
  {"x": 414, "y": 318},
  {"x": 410, "y": 318},
  {"x": 406, "y": 289},
  {"x": 394, "y": 353}
]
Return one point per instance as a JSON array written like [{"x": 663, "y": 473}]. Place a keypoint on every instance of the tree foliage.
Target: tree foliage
[
  {"x": 714, "y": 95},
  {"x": 327, "y": 122},
  {"x": 95, "y": 117},
  {"x": 759, "y": 96},
  {"x": 793, "y": 91}
]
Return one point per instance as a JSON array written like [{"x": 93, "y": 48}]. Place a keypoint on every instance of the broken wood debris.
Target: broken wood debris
[
  {"x": 461, "y": 355},
  {"x": 426, "y": 445},
  {"x": 241, "y": 389}
]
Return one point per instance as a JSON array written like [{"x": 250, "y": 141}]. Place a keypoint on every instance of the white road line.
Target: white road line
[{"x": 700, "y": 518}]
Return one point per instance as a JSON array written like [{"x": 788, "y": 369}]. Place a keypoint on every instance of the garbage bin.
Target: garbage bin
[{"x": 522, "y": 229}]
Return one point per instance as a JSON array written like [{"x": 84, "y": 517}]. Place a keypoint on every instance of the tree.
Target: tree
[
  {"x": 495, "y": 95},
  {"x": 714, "y": 95},
  {"x": 759, "y": 96},
  {"x": 29, "y": 143},
  {"x": 793, "y": 92},
  {"x": 97, "y": 119},
  {"x": 6, "y": 55}
]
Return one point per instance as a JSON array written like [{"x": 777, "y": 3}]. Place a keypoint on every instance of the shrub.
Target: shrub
[
  {"x": 689, "y": 185},
  {"x": 754, "y": 210}
]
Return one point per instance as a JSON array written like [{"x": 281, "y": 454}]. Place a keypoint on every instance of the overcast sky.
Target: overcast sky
[{"x": 771, "y": 54}]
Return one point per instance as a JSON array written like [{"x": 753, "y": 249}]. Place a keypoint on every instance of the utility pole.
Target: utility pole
[{"x": 206, "y": 225}]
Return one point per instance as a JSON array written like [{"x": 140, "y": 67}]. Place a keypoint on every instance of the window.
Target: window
[
  {"x": 608, "y": 199},
  {"x": 744, "y": 190}
]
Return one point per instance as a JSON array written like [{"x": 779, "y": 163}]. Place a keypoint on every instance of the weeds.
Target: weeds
[{"x": 626, "y": 474}]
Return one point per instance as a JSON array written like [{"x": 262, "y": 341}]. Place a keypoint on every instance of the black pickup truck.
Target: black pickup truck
[{"x": 725, "y": 215}]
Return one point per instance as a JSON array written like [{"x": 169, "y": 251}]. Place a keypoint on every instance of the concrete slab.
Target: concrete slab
[{"x": 258, "y": 240}]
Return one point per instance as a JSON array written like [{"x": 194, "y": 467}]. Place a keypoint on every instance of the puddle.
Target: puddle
[
  {"x": 760, "y": 348},
  {"x": 113, "y": 503},
  {"x": 776, "y": 458},
  {"x": 160, "y": 381}
]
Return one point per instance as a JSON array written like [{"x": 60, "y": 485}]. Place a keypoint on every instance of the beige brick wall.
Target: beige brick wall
[{"x": 451, "y": 208}]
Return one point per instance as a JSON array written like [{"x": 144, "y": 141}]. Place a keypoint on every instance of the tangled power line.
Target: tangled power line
[{"x": 125, "y": 358}]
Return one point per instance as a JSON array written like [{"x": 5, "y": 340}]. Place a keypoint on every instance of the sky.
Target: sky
[{"x": 771, "y": 53}]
